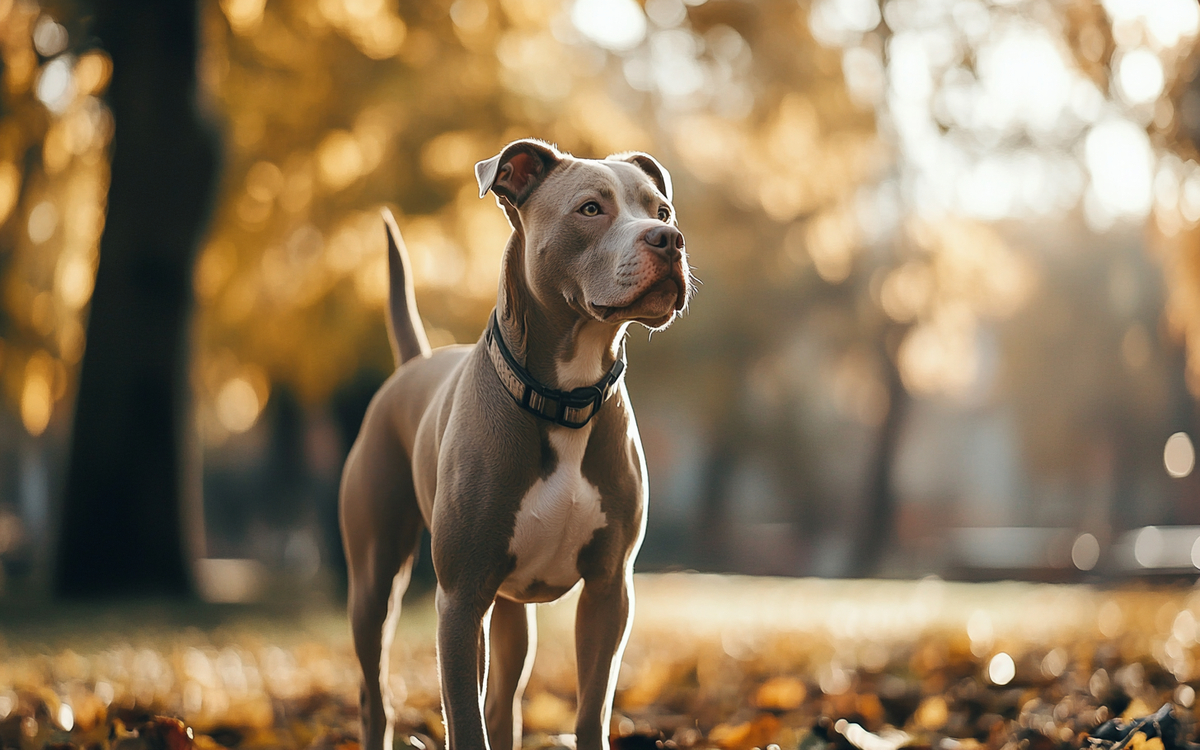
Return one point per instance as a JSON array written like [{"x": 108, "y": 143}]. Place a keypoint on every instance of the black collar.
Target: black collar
[{"x": 574, "y": 408}]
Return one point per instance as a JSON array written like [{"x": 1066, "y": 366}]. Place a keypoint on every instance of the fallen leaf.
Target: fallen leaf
[
  {"x": 780, "y": 694},
  {"x": 1139, "y": 742},
  {"x": 1136, "y": 709},
  {"x": 932, "y": 714}
]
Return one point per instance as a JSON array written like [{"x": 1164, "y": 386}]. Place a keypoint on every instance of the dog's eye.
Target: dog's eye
[
  {"x": 591, "y": 208},
  {"x": 664, "y": 214}
]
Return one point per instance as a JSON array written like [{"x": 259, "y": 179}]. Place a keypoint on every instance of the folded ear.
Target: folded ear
[
  {"x": 649, "y": 165},
  {"x": 516, "y": 171}
]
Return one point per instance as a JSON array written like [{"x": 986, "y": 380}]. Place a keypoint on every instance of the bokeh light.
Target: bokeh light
[
  {"x": 1148, "y": 547},
  {"x": 1140, "y": 76},
  {"x": 49, "y": 37},
  {"x": 1085, "y": 552},
  {"x": 1179, "y": 455},
  {"x": 912, "y": 195},
  {"x": 1001, "y": 669},
  {"x": 615, "y": 24},
  {"x": 238, "y": 405},
  {"x": 66, "y": 717},
  {"x": 37, "y": 395},
  {"x": 1121, "y": 164},
  {"x": 55, "y": 86}
]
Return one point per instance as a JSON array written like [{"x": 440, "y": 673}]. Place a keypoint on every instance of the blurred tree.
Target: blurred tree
[
  {"x": 1176, "y": 229},
  {"x": 54, "y": 173},
  {"x": 1145, "y": 57},
  {"x": 850, "y": 174},
  {"x": 797, "y": 210},
  {"x": 336, "y": 106},
  {"x": 129, "y": 520},
  {"x": 775, "y": 152},
  {"x": 1001, "y": 112}
]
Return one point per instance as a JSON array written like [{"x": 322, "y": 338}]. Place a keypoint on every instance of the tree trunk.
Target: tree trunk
[
  {"x": 877, "y": 521},
  {"x": 129, "y": 517}
]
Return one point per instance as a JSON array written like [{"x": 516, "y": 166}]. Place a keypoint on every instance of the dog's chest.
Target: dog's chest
[{"x": 558, "y": 516}]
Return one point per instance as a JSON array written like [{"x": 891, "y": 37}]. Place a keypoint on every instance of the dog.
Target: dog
[{"x": 520, "y": 454}]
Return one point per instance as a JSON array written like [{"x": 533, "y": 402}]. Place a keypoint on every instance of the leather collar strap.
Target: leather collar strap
[{"x": 574, "y": 408}]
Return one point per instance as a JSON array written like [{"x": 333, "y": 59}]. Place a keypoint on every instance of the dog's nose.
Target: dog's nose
[{"x": 665, "y": 239}]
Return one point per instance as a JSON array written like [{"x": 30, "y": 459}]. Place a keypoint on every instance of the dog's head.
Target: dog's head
[{"x": 597, "y": 238}]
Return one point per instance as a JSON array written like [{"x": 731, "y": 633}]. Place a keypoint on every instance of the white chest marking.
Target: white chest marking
[
  {"x": 558, "y": 516},
  {"x": 585, "y": 366}
]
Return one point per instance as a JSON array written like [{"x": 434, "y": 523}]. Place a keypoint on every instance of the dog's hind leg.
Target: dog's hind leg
[
  {"x": 513, "y": 642},
  {"x": 381, "y": 524},
  {"x": 374, "y": 627}
]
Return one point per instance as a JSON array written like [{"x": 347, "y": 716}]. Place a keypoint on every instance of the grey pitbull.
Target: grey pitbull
[{"x": 519, "y": 453}]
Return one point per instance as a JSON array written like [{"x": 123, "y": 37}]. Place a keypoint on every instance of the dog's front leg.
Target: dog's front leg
[
  {"x": 601, "y": 626},
  {"x": 460, "y": 636}
]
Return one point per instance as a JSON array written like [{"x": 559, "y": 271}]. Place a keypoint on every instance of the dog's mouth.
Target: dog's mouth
[{"x": 654, "y": 307}]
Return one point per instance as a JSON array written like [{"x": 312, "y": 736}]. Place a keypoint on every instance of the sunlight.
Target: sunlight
[
  {"x": 1168, "y": 21},
  {"x": 237, "y": 405},
  {"x": 1001, "y": 669},
  {"x": 37, "y": 397},
  {"x": 1179, "y": 457},
  {"x": 906, "y": 291},
  {"x": 43, "y": 221},
  {"x": 1120, "y": 160},
  {"x": 955, "y": 121},
  {"x": 673, "y": 62},
  {"x": 864, "y": 76},
  {"x": 1140, "y": 76},
  {"x": 966, "y": 83},
  {"x": 1085, "y": 553},
  {"x": 76, "y": 277},
  {"x": 941, "y": 356},
  {"x": 244, "y": 15},
  {"x": 1024, "y": 81},
  {"x": 613, "y": 24},
  {"x": 990, "y": 188},
  {"x": 49, "y": 37},
  {"x": 55, "y": 86},
  {"x": 66, "y": 717},
  {"x": 836, "y": 22},
  {"x": 1148, "y": 546}
]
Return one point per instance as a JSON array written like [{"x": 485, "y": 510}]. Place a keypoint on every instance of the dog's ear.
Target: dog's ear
[
  {"x": 516, "y": 171},
  {"x": 649, "y": 165}
]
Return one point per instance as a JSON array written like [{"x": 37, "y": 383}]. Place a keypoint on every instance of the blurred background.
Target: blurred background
[{"x": 950, "y": 313}]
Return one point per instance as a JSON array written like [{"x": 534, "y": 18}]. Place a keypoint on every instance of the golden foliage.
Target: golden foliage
[
  {"x": 321, "y": 135},
  {"x": 335, "y": 108},
  {"x": 51, "y": 208}
]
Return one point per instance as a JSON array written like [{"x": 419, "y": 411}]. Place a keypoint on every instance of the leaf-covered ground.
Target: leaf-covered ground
[{"x": 713, "y": 662}]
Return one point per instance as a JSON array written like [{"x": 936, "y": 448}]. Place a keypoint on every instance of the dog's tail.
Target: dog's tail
[{"x": 405, "y": 331}]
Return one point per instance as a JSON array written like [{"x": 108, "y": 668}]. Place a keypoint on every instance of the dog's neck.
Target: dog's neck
[
  {"x": 562, "y": 352},
  {"x": 560, "y": 348}
]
